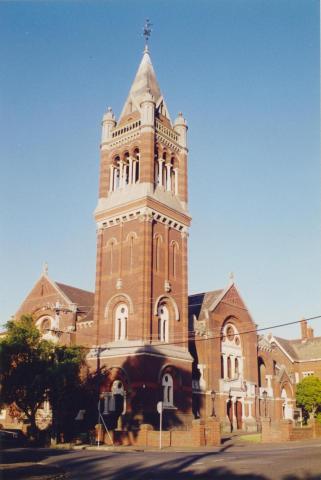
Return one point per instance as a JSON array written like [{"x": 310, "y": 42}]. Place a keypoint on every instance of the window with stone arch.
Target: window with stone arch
[
  {"x": 116, "y": 173},
  {"x": 231, "y": 352},
  {"x": 168, "y": 390},
  {"x": 163, "y": 322},
  {"x": 136, "y": 169},
  {"x": 121, "y": 319}
]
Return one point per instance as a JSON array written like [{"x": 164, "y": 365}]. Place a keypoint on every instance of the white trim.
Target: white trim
[
  {"x": 130, "y": 302},
  {"x": 136, "y": 354},
  {"x": 273, "y": 339},
  {"x": 166, "y": 296}
]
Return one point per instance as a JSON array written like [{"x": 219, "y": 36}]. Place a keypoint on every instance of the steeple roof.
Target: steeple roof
[{"x": 145, "y": 82}]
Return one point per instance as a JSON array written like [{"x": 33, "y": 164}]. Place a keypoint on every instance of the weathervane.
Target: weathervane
[{"x": 147, "y": 31}]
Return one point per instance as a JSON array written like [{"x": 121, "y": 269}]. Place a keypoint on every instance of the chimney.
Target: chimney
[
  {"x": 310, "y": 332},
  {"x": 304, "y": 329}
]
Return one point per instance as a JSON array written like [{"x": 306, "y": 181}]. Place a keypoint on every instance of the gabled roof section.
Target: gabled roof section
[
  {"x": 231, "y": 296},
  {"x": 298, "y": 350},
  {"x": 82, "y": 298},
  {"x": 145, "y": 81},
  {"x": 46, "y": 291},
  {"x": 199, "y": 303}
]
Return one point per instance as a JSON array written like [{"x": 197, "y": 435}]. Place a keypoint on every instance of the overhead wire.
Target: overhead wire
[{"x": 192, "y": 336}]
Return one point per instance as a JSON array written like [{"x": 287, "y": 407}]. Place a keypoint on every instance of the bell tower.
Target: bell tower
[{"x": 142, "y": 219}]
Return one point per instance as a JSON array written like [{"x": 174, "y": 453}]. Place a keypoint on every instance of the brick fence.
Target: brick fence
[
  {"x": 201, "y": 434},
  {"x": 285, "y": 431}
]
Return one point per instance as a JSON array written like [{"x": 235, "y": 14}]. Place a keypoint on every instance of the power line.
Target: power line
[{"x": 192, "y": 337}]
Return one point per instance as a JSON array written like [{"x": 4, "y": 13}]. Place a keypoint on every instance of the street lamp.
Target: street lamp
[
  {"x": 213, "y": 396},
  {"x": 264, "y": 394}
]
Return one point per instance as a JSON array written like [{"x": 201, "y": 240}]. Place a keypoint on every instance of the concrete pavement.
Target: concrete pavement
[{"x": 291, "y": 461}]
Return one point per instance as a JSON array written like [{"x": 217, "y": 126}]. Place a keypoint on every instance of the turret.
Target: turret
[
  {"x": 108, "y": 123},
  {"x": 180, "y": 127},
  {"x": 147, "y": 110}
]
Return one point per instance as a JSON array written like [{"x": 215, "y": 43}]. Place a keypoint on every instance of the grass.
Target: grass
[{"x": 251, "y": 438}]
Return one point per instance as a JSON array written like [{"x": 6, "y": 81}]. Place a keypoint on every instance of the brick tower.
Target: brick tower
[{"x": 141, "y": 298}]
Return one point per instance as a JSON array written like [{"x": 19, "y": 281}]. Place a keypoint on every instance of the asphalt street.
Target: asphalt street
[{"x": 283, "y": 462}]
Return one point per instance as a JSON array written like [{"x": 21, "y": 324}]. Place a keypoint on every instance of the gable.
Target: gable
[
  {"x": 42, "y": 294},
  {"x": 233, "y": 298}
]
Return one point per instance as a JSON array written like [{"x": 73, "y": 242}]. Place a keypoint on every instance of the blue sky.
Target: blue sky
[{"x": 246, "y": 76}]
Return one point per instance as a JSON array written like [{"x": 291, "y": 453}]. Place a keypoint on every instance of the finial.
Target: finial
[
  {"x": 45, "y": 268},
  {"x": 147, "y": 32},
  {"x": 231, "y": 277}
]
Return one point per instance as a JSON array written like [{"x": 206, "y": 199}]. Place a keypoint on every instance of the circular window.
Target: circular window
[
  {"x": 166, "y": 378},
  {"x": 122, "y": 310},
  {"x": 230, "y": 333},
  {"x": 237, "y": 340}
]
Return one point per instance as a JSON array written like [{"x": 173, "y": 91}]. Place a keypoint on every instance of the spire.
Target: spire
[{"x": 145, "y": 82}]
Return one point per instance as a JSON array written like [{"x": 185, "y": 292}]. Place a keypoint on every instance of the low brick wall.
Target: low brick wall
[
  {"x": 200, "y": 434},
  {"x": 284, "y": 431},
  {"x": 304, "y": 433}
]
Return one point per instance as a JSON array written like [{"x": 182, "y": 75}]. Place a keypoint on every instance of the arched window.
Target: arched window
[
  {"x": 168, "y": 393},
  {"x": 116, "y": 181},
  {"x": 126, "y": 170},
  {"x": 236, "y": 368},
  {"x": 229, "y": 369},
  {"x": 156, "y": 172},
  {"x": 121, "y": 317},
  {"x": 262, "y": 373},
  {"x": 136, "y": 166},
  {"x": 114, "y": 401},
  {"x": 45, "y": 325},
  {"x": 163, "y": 320},
  {"x": 231, "y": 350}
]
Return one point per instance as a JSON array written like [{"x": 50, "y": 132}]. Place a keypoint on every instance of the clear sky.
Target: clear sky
[{"x": 246, "y": 76}]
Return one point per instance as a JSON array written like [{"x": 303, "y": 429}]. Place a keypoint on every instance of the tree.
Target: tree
[
  {"x": 308, "y": 395},
  {"x": 34, "y": 370},
  {"x": 25, "y": 361},
  {"x": 66, "y": 391}
]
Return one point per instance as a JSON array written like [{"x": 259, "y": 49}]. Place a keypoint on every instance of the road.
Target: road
[{"x": 259, "y": 462}]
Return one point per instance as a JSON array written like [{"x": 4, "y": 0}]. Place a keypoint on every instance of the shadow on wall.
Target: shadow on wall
[{"x": 130, "y": 392}]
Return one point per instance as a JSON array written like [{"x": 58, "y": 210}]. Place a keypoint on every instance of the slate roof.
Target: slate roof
[
  {"x": 199, "y": 302},
  {"x": 82, "y": 298},
  {"x": 300, "y": 350}
]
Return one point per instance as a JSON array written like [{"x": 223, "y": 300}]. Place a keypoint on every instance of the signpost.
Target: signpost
[{"x": 160, "y": 411}]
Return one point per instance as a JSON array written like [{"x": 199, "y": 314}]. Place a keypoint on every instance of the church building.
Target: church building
[{"x": 200, "y": 355}]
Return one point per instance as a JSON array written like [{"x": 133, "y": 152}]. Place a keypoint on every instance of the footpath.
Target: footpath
[{"x": 29, "y": 463}]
